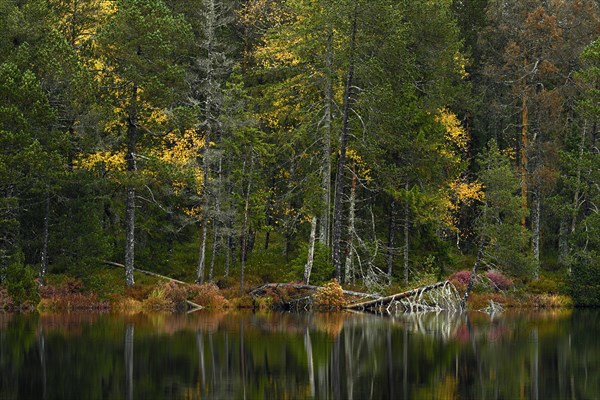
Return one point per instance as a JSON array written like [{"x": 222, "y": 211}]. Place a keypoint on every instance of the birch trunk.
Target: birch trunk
[
  {"x": 311, "y": 250},
  {"x": 349, "y": 274},
  {"x": 132, "y": 133},
  {"x": 339, "y": 189},
  {"x": 577, "y": 194}
]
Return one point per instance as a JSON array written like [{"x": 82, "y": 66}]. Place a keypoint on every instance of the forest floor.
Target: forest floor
[{"x": 104, "y": 289}]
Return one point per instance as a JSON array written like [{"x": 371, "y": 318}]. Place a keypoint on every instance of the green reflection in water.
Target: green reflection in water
[{"x": 256, "y": 356}]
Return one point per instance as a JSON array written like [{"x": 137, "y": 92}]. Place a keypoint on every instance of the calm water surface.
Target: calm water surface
[{"x": 278, "y": 355}]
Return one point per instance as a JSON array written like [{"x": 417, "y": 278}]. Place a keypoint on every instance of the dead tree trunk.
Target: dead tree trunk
[
  {"x": 406, "y": 232},
  {"x": 471, "y": 282},
  {"x": 326, "y": 164},
  {"x": 388, "y": 299},
  {"x": 339, "y": 189}
]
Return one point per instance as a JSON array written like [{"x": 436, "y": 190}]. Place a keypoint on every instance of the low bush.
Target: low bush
[
  {"x": 329, "y": 297},
  {"x": 21, "y": 284},
  {"x": 208, "y": 295},
  {"x": 543, "y": 285},
  {"x": 499, "y": 280},
  {"x": 460, "y": 279},
  {"x": 158, "y": 301}
]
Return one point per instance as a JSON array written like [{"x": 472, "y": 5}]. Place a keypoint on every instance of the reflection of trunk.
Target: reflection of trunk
[
  {"x": 309, "y": 360},
  {"x": 390, "y": 363},
  {"x": 242, "y": 359},
  {"x": 311, "y": 250},
  {"x": 391, "y": 239},
  {"x": 349, "y": 273},
  {"x": 405, "y": 363},
  {"x": 200, "y": 350},
  {"x": 132, "y": 133},
  {"x": 535, "y": 232},
  {"x": 326, "y": 165},
  {"x": 535, "y": 366},
  {"x": 336, "y": 376},
  {"x": 129, "y": 361},
  {"x": 339, "y": 188},
  {"x": 45, "y": 235},
  {"x": 42, "y": 348}
]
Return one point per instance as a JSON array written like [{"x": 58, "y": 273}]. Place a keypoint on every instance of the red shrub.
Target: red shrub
[{"x": 499, "y": 280}]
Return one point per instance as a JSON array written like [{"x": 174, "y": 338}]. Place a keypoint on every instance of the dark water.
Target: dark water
[{"x": 278, "y": 356}]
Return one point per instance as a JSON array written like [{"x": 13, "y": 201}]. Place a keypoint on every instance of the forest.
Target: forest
[{"x": 377, "y": 142}]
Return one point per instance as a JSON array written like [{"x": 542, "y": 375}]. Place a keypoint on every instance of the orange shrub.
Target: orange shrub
[
  {"x": 329, "y": 297},
  {"x": 208, "y": 295}
]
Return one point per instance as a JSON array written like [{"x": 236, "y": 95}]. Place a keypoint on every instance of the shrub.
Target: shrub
[
  {"x": 208, "y": 295},
  {"x": 177, "y": 294},
  {"x": 499, "y": 280},
  {"x": 6, "y": 302},
  {"x": 329, "y": 297},
  {"x": 460, "y": 279},
  {"x": 158, "y": 301},
  {"x": 543, "y": 285},
  {"x": 21, "y": 284},
  {"x": 585, "y": 279}
]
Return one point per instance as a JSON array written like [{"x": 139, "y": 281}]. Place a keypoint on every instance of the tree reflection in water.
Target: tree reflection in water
[{"x": 283, "y": 355}]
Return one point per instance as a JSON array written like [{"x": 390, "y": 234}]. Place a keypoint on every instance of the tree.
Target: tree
[{"x": 142, "y": 46}]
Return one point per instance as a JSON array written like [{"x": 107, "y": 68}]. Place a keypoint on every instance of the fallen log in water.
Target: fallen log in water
[
  {"x": 380, "y": 302},
  {"x": 259, "y": 291}
]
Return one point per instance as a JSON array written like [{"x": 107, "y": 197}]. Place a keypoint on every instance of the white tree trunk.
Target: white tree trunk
[
  {"x": 311, "y": 250},
  {"x": 349, "y": 273}
]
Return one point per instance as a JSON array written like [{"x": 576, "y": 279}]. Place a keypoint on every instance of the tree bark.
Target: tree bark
[
  {"x": 45, "y": 236},
  {"x": 132, "y": 134},
  {"x": 244, "y": 248},
  {"x": 311, "y": 250},
  {"x": 391, "y": 240},
  {"x": 339, "y": 190},
  {"x": 535, "y": 232},
  {"x": 524, "y": 158},
  {"x": 326, "y": 163},
  {"x": 388, "y": 299},
  {"x": 348, "y": 275},
  {"x": 406, "y": 241}
]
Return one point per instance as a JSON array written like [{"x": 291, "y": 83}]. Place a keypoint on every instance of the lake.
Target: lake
[{"x": 536, "y": 355}]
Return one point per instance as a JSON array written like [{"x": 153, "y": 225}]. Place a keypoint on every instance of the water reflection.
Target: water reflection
[{"x": 337, "y": 356}]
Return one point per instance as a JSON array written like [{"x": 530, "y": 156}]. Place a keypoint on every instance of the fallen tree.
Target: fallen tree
[
  {"x": 261, "y": 290},
  {"x": 193, "y": 306},
  {"x": 382, "y": 301}
]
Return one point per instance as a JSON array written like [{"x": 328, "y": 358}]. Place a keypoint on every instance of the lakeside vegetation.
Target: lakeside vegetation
[{"x": 385, "y": 144}]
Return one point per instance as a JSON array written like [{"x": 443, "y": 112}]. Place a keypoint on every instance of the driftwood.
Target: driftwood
[
  {"x": 380, "y": 302},
  {"x": 194, "y": 306},
  {"x": 258, "y": 291}
]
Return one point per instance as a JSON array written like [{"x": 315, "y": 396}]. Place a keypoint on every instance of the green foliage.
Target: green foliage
[
  {"x": 20, "y": 283},
  {"x": 507, "y": 242},
  {"x": 584, "y": 282},
  {"x": 322, "y": 271}
]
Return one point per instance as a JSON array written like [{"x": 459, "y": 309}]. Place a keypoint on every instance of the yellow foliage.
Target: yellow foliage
[
  {"x": 111, "y": 161},
  {"x": 360, "y": 166},
  {"x": 455, "y": 133}
]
